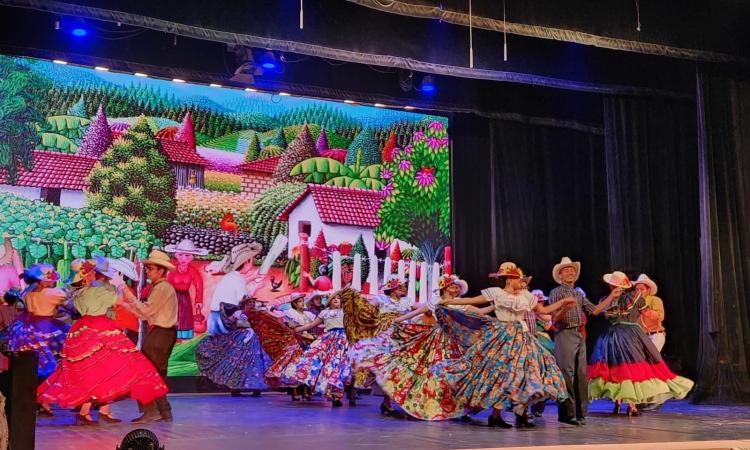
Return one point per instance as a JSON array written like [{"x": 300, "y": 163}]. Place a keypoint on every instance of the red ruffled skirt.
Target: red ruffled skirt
[{"x": 99, "y": 363}]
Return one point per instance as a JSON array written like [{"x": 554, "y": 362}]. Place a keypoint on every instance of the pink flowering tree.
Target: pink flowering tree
[
  {"x": 98, "y": 136},
  {"x": 186, "y": 132},
  {"x": 416, "y": 206}
]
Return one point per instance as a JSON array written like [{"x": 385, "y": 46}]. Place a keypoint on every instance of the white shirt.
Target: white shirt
[
  {"x": 509, "y": 307},
  {"x": 387, "y": 305},
  {"x": 229, "y": 290},
  {"x": 332, "y": 318},
  {"x": 299, "y": 318}
]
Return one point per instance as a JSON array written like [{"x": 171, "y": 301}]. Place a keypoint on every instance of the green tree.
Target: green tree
[
  {"x": 253, "y": 148},
  {"x": 134, "y": 179},
  {"x": 368, "y": 145},
  {"x": 279, "y": 139},
  {"x": 22, "y": 95},
  {"x": 360, "y": 249},
  {"x": 78, "y": 109},
  {"x": 266, "y": 208}
]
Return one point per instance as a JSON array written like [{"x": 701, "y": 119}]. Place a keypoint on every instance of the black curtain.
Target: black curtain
[
  {"x": 724, "y": 356},
  {"x": 651, "y": 165}
]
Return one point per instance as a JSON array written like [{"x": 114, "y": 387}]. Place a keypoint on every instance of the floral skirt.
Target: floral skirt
[
  {"x": 324, "y": 366},
  {"x": 43, "y": 335},
  {"x": 235, "y": 360},
  {"x": 407, "y": 370},
  {"x": 626, "y": 366},
  {"x": 99, "y": 363},
  {"x": 506, "y": 367},
  {"x": 279, "y": 342}
]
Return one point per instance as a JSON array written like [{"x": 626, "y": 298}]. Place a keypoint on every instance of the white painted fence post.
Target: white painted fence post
[
  {"x": 336, "y": 271},
  {"x": 357, "y": 273},
  {"x": 411, "y": 295},
  {"x": 423, "y": 289},
  {"x": 373, "y": 277}
]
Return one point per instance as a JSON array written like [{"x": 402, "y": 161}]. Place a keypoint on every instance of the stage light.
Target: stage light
[
  {"x": 285, "y": 94},
  {"x": 379, "y": 105},
  {"x": 250, "y": 90},
  {"x": 57, "y": 25},
  {"x": 79, "y": 32},
  {"x": 77, "y": 26},
  {"x": 428, "y": 84},
  {"x": 409, "y": 108},
  {"x": 268, "y": 61},
  {"x": 140, "y": 439},
  {"x": 351, "y": 102},
  {"x": 101, "y": 69},
  {"x": 178, "y": 80},
  {"x": 59, "y": 61},
  {"x": 215, "y": 85},
  {"x": 139, "y": 74}
]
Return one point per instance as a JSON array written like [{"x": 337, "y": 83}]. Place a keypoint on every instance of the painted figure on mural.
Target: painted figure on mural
[
  {"x": 11, "y": 266},
  {"x": 183, "y": 278}
]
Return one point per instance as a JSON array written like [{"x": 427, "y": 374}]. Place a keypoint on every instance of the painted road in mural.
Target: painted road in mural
[{"x": 100, "y": 163}]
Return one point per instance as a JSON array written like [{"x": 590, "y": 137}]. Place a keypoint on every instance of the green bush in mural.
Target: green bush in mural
[
  {"x": 135, "y": 179},
  {"x": 21, "y": 95},
  {"x": 416, "y": 207},
  {"x": 321, "y": 170},
  {"x": 48, "y": 233},
  {"x": 264, "y": 212}
]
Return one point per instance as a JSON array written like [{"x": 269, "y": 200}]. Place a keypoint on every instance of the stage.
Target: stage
[{"x": 273, "y": 422}]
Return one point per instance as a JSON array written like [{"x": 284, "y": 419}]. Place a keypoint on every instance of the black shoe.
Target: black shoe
[
  {"x": 522, "y": 421},
  {"x": 256, "y": 393},
  {"x": 107, "y": 418},
  {"x": 146, "y": 418},
  {"x": 493, "y": 422},
  {"x": 570, "y": 422},
  {"x": 167, "y": 418},
  {"x": 390, "y": 412},
  {"x": 465, "y": 419},
  {"x": 538, "y": 414},
  {"x": 337, "y": 404},
  {"x": 581, "y": 420}
]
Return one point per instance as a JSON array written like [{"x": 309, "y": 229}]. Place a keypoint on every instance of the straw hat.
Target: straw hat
[
  {"x": 508, "y": 270},
  {"x": 83, "y": 269},
  {"x": 159, "y": 258},
  {"x": 447, "y": 280},
  {"x": 644, "y": 279},
  {"x": 186, "y": 246},
  {"x": 393, "y": 282},
  {"x": 125, "y": 267},
  {"x": 617, "y": 279},
  {"x": 565, "y": 262},
  {"x": 242, "y": 253}
]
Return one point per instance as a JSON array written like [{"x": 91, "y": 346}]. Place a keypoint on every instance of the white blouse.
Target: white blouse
[
  {"x": 387, "y": 305},
  {"x": 299, "y": 317},
  {"x": 332, "y": 318},
  {"x": 510, "y": 307}
]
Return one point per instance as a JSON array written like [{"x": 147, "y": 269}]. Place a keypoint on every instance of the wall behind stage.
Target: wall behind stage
[{"x": 123, "y": 163}]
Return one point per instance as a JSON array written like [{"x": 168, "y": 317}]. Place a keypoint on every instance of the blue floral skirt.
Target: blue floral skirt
[
  {"x": 235, "y": 360},
  {"x": 325, "y": 366},
  {"x": 43, "y": 335}
]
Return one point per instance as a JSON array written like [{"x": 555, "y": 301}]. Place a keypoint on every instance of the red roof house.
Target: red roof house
[
  {"x": 257, "y": 176},
  {"x": 341, "y": 213}
]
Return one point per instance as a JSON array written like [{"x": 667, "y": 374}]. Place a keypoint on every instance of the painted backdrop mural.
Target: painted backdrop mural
[{"x": 98, "y": 163}]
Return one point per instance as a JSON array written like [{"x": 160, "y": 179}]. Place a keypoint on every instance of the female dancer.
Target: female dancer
[
  {"x": 99, "y": 362},
  {"x": 625, "y": 365},
  {"x": 506, "y": 368},
  {"x": 407, "y": 370},
  {"x": 296, "y": 316},
  {"x": 37, "y": 329},
  {"x": 325, "y": 366},
  {"x": 235, "y": 360},
  {"x": 184, "y": 277}
]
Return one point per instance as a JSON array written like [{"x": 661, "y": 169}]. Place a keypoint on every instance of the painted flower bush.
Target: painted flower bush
[
  {"x": 44, "y": 231},
  {"x": 222, "y": 181},
  {"x": 204, "y": 208}
]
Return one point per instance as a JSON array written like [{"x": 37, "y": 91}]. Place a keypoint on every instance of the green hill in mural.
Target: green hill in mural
[{"x": 229, "y": 141}]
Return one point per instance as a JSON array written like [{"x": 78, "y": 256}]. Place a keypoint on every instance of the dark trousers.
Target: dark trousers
[
  {"x": 570, "y": 353},
  {"x": 157, "y": 346}
]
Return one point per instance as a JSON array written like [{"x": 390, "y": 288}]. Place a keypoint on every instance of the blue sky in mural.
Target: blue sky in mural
[{"x": 222, "y": 100}]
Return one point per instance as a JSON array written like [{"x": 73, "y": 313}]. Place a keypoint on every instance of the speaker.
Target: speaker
[{"x": 18, "y": 385}]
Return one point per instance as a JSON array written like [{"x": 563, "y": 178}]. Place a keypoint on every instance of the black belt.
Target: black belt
[{"x": 655, "y": 332}]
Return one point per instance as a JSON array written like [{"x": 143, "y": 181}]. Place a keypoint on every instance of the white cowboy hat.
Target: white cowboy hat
[
  {"x": 102, "y": 267},
  {"x": 242, "y": 253},
  {"x": 186, "y": 246},
  {"x": 446, "y": 280},
  {"x": 159, "y": 258},
  {"x": 565, "y": 262},
  {"x": 644, "y": 279},
  {"x": 125, "y": 267},
  {"x": 617, "y": 279}
]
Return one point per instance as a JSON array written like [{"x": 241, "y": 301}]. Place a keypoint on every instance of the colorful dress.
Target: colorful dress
[
  {"x": 98, "y": 361},
  {"x": 325, "y": 366},
  {"x": 279, "y": 342},
  {"x": 625, "y": 364},
  {"x": 408, "y": 373},
  {"x": 507, "y": 366},
  {"x": 182, "y": 281},
  {"x": 37, "y": 329},
  {"x": 235, "y": 360}
]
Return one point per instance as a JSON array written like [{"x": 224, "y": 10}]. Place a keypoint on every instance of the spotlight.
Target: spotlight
[
  {"x": 250, "y": 90},
  {"x": 140, "y": 439},
  {"x": 77, "y": 27},
  {"x": 79, "y": 32},
  {"x": 101, "y": 69},
  {"x": 268, "y": 61},
  {"x": 428, "y": 84},
  {"x": 215, "y": 85},
  {"x": 59, "y": 61},
  {"x": 178, "y": 80},
  {"x": 409, "y": 108},
  {"x": 349, "y": 102},
  {"x": 284, "y": 94},
  {"x": 379, "y": 105},
  {"x": 139, "y": 74}
]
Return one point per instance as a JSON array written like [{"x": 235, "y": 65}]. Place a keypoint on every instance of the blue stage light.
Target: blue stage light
[
  {"x": 268, "y": 61},
  {"x": 428, "y": 84},
  {"x": 79, "y": 32}
]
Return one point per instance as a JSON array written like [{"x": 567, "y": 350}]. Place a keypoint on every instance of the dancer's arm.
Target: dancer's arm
[
  {"x": 309, "y": 326},
  {"x": 566, "y": 303},
  {"x": 478, "y": 300},
  {"x": 415, "y": 313},
  {"x": 604, "y": 304}
]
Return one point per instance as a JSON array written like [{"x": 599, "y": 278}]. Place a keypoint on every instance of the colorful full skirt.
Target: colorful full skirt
[
  {"x": 626, "y": 366},
  {"x": 506, "y": 367},
  {"x": 407, "y": 370},
  {"x": 279, "y": 342},
  {"x": 325, "y": 366},
  {"x": 235, "y": 360},
  {"x": 99, "y": 363},
  {"x": 43, "y": 335}
]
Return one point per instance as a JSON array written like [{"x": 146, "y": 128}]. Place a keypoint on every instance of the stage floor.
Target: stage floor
[{"x": 273, "y": 422}]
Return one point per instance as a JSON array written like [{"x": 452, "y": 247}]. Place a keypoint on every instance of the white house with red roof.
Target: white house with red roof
[
  {"x": 257, "y": 176},
  {"x": 341, "y": 213},
  {"x": 57, "y": 178}
]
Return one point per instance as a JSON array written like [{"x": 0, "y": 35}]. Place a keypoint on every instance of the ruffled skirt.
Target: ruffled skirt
[
  {"x": 43, "y": 335},
  {"x": 325, "y": 366},
  {"x": 506, "y": 367},
  {"x": 279, "y": 342},
  {"x": 625, "y": 366},
  {"x": 235, "y": 360},
  {"x": 99, "y": 363}
]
